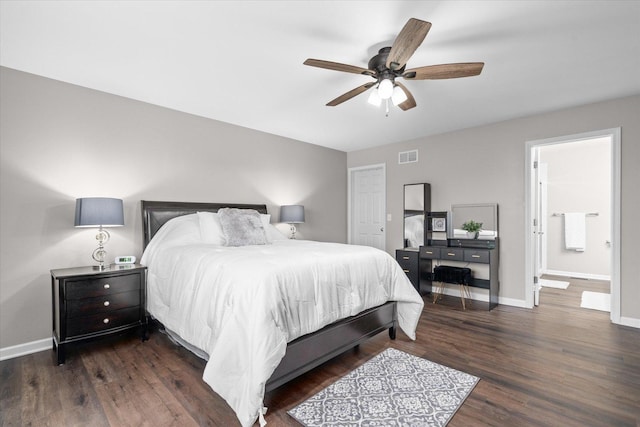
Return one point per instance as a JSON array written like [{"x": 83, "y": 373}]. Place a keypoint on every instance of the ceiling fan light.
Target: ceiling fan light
[
  {"x": 385, "y": 89},
  {"x": 398, "y": 96},
  {"x": 374, "y": 98}
]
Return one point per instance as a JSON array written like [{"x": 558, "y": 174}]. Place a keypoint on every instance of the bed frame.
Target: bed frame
[{"x": 308, "y": 351}]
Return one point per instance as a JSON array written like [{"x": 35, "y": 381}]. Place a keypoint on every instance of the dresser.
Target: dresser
[
  {"x": 471, "y": 257},
  {"x": 89, "y": 303}
]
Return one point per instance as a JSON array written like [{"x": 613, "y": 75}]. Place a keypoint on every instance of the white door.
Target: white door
[
  {"x": 536, "y": 226},
  {"x": 542, "y": 217},
  {"x": 367, "y": 210}
]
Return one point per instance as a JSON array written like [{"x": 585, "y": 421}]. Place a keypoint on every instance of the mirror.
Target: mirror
[
  {"x": 486, "y": 213},
  {"x": 417, "y": 202}
]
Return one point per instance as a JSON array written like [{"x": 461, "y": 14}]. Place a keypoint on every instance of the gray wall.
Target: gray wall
[
  {"x": 579, "y": 180},
  {"x": 59, "y": 142},
  {"x": 486, "y": 164}
]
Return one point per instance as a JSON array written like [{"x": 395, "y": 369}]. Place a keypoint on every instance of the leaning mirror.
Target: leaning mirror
[
  {"x": 484, "y": 213},
  {"x": 417, "y": 201}
]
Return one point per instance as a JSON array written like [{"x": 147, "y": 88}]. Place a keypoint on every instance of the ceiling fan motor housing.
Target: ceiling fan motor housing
[{"x": 379, "y": 64}]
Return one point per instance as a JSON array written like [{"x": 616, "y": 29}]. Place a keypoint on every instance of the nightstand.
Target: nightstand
[{"x": 89, "y": 303}]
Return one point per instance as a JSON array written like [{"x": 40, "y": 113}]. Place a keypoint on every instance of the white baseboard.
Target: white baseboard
[
  {"x": 630, "y": 321},
  {"x": 26, "y": 348},
  {"x": 577, "y": 275},
  {"x": 483, "y": 295},
  {"x": 513, "y": 302}
]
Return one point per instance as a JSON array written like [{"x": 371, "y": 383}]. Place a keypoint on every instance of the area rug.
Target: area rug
[
  {"x": 596, "y": 301},
  {"x": 392, "y": 389},
  {"x": 558, "y": 284}
]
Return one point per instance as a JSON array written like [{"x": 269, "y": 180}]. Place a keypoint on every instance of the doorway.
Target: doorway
[
  {"x": 367, "y": 206},
  {"x": 574, "y": 178}
]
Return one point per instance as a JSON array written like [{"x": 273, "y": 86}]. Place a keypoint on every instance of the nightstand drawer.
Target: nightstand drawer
[
  {"x": 105, "y": 303},
  {"x": 95, "y": 287},
  {"x": 452, "y": 254},
  {"x": 104, "y": 321},
  {"x": 430, "y": 252},
  {"x": 471, "y": 255}
]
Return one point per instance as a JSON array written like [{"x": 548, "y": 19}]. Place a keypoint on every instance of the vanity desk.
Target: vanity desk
[{"x": 459, "y": 250}]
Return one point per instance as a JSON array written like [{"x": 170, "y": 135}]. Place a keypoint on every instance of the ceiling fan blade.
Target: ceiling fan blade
[
  {"x": 336, "y": 66},
  {"x": 411, "y": 36},
  {"x": 410, "y": 102},
  {"x": 444, "y": 71},
  {"x": 353, "y": 92}
]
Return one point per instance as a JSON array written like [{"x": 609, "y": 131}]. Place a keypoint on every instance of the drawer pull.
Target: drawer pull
[
  {"x": 106, "y": 303},
  {"x": 450, "y": 254},
  {"x": 107, "y": 286},
  {"x": 105, "y": 321},
  {"x": 475, "y": 256},
  {"x": 405, "y": 257},
  {"x": 406, "y": 271},
  {"x": 429, "y": 252}
]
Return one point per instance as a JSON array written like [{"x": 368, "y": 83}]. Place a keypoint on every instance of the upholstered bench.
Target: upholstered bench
[{"x": 460, "y": 276}]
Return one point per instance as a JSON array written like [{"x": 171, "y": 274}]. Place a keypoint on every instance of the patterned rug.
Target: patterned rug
[{"x": 392, "y": 389}]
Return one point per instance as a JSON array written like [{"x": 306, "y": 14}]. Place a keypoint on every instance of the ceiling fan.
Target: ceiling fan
[{"x": 390, "y": 63}]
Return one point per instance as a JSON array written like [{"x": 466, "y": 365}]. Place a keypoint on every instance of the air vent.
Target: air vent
[{"x": 407, "y": 157}]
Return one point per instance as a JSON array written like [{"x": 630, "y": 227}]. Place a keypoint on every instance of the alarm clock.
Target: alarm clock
[{"x": 129, "y": 259}]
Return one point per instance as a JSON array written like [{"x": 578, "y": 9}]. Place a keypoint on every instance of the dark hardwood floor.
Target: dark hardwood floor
[{"x": 556, "y": 365}]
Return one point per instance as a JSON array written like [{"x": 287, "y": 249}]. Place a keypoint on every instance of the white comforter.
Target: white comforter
[{"x": 241, "y": 305}]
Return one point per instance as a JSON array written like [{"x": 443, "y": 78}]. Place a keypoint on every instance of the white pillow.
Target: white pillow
[
  {"x": 273, "y": 233},
  {"x": 182, "y": 230},
  {"x": 211, "y": 229},
  {"x": 270, "y": 230}
]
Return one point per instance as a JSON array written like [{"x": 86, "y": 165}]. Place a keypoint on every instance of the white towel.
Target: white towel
[{"x": 575, "y": 232}]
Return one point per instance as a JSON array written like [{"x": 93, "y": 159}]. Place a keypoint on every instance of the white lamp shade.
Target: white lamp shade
[
  {"x": 398, "y": 96},
  {"x": 385, "y": 89},
  {"x": 99, "y": 212},
  {"x": 292, "y": 214},
  {"x": 374, "y": 98}
]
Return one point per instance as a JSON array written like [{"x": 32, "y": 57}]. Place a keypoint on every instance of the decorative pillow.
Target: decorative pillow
[
  {"x": 242, "y": 227},
  {"x": 211, "y": 229}
]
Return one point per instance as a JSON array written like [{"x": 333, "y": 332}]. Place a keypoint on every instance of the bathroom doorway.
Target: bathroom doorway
[{"x": 573, "y": 206}]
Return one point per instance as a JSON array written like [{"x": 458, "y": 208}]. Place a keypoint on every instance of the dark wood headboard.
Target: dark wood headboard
[{"x": 155, "y": 214}]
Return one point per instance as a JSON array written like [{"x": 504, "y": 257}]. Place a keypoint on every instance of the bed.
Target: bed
[{"x": 283, "y": 361}]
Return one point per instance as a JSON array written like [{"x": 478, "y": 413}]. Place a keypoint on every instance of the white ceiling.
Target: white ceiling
[{"x": 241, "y": 61}]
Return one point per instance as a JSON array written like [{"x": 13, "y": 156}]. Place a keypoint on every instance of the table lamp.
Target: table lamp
[
  {"x": 99, "y": 212},
  {"x": 292, "y": 214}
]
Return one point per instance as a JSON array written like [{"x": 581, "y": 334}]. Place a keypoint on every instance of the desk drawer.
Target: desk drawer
[
  {"x": 431, "y": 252},
  {"x": 454, "y": 254},
  {"x": 408, "y": 260},
  {"x": 471, "y": 255}
]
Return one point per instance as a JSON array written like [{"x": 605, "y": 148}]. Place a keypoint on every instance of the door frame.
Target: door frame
[
  {"x": 351, "y": 172},
  {"x": 529, "y": 229}
]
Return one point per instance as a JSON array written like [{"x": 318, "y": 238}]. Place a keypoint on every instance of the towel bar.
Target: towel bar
[{"x": 588, "y": 214}]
